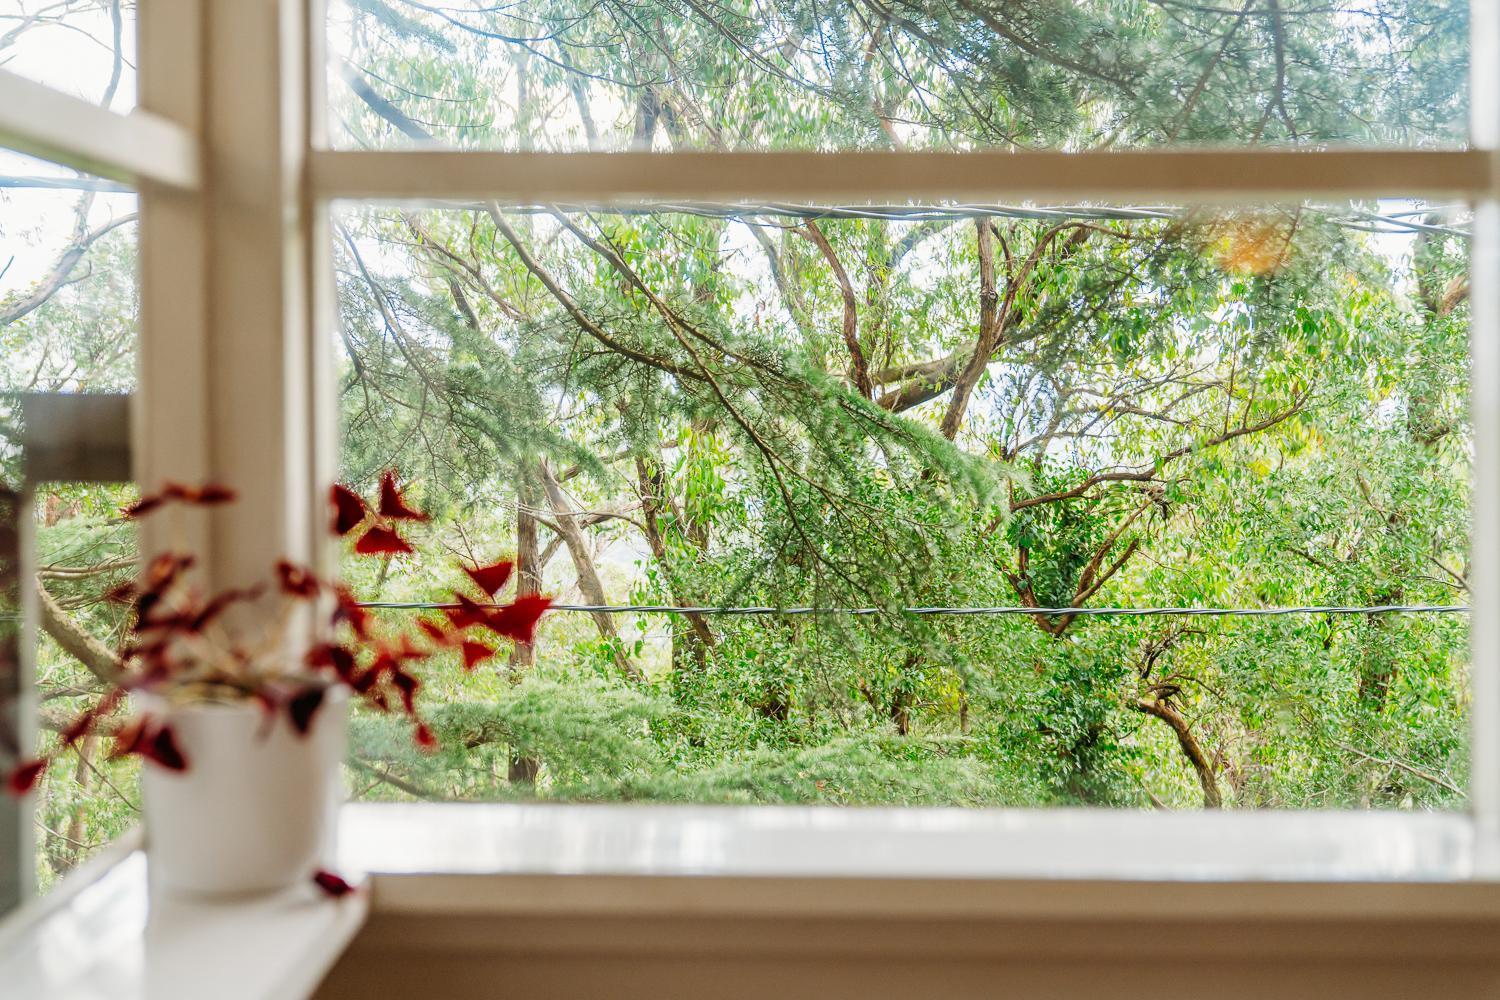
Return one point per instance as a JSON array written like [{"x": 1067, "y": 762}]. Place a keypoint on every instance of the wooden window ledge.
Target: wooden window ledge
[{"x": 653, "y": 901}]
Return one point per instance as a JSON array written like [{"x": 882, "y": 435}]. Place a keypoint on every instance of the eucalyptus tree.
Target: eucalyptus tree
[
  {"x": 837, "y": 406},
  {"x": 914, "y": 405}
]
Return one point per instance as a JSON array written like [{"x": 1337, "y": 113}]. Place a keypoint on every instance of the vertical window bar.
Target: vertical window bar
[
  {"x": 16, "y": 732},
  {"x": 1484, "y": 380},
  {"x": 65, "y": 437}
]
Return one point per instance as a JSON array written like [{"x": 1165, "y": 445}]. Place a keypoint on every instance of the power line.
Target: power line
[
  {"x": 1348, "y": 218},
  {"x": 1351, "y": 218},
  {"x": 670, "y": 609}
]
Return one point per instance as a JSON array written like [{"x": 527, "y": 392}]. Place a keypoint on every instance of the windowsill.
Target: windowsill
[
  {"x": 827, "y": 841},
  {"x": 99, "y": 935},
  {"x": 934, "y": 863}
]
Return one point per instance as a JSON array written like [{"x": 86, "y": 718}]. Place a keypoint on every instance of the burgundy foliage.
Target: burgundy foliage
[
  {"x": 475, "y": 653},
  {"x": 393, "y": 502},
  {"x": 379, "y": 541},
  {"x": 517, "y": 620},
  {"x": 332, "y": 884},
  {"x": 435, "y": 631},
  {"x": 490, "y": 578},
  {"x": 349, "y": 510},
  {"x": 173, "y": 641},
  {"x": 466, "y": 612},
  {"x": 207, "y": 495},
  {"x": 294, "y": 580},
  {"x": 25, "y": 776},
  {"x": 153, "y": 740},
  {"x": 303, "y": 705}
]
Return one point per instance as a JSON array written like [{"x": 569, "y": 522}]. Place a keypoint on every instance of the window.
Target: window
[
  {"x": 624, "y": 286},
  {"x": 772, "y": 74},
  {"x": 68, "y": 305},
  {"x": 84, "y": 48},
  {"x": 69, "y": 299},
  {"x": 1178, "y": 409},
  {"x": 1183, "y": 408}
]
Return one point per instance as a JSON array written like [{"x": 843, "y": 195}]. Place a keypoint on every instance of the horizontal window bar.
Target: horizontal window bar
[
  {"x": 1192, "y": 175},
  {"x": 133, "y": 148},
  {"x": 76, "y": 437}
]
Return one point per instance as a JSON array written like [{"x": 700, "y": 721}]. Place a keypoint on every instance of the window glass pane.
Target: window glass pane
[
  {"x": 955, "y": 74},
  {"x": 68, "y": 324},
  {"x": 68, "y": 289},
  {"x": 891, "y": 407},
  {"x": 85, "y": 48},
  {"x": 84, "y": 549}
]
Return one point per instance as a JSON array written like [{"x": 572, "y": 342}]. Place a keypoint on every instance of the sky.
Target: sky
[{"x": 35, "y": 224}]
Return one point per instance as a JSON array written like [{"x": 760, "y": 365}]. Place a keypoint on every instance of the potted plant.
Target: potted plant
[{"x": 242, "y": 736}]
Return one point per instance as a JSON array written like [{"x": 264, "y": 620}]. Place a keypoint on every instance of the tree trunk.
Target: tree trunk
[
  {"x": 528, "y": 561},
  {"x": 524, "y": 767},
  {"x": 984, "y": 342},
  {"x": 1191, "y": 748},
  {"x": 589, "y": 583},
  {"x": 689, "y": 646},
  {"x": 83, "y": 777},
  {"x": 87, "y": 650}
]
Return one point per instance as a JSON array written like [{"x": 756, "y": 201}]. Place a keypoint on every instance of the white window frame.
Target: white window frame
[{"x": 236, "y": 179}]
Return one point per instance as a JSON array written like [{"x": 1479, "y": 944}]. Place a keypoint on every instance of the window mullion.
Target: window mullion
[
  {"x": 17, "y": 720},
  {"x": 1173, "y": 176},
  {"x": 226, "y": 374},
  {"x": 1484, "y": 381},
  {"x": 43, "y": 122}
]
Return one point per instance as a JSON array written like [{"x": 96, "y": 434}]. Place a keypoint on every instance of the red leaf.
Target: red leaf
[
  {"x": 84, "y": 723},
  {"x": 153, "y": 742},
  {"x": 435, "y": 631},
  {"x": 152, "y": 655},
  {"x": 128, "y": 739},
  {"x": 121, "y": 593},
  {"x": 393, "y": 503},
  {"x": 303, "y": 706},
  {"x": 336, "y": 658},
  {"x": 469, "y": 612},
  {"x": 206, "y": 495},
  {"x": 424, "y": 738},
  {"x": 162, "y": 570},
  {"x": 215, "y": 607},
  {"x": 200, "y": 496},
  {"x": 518, "y": 619},
  {"x": 490, "y": 578},
  {"x": 349, "y": 509},
  {"x": 78, "y": 728},
  {"x": 294, "y": 580},
  {"x": 476, "y": 653},
  {"x": 403, "y": 648},
  {"x": 163, "y": 750},
  {"x": 380, "y": 541},
  {"x": 349, "y": 610},
  {"x": 25, "y": 776},
  {"x": 194, "y": 618},
  {"x": 407, "y": 685},
  {"x": 268, "y": 706},
  {"x": 159, "y": 576},
  {"x": 332, "y": 884},
  {"x": 143, "y": 506}
]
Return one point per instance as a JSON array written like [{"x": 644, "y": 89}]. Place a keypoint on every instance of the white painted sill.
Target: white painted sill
[{"x": 100, "y": 935}]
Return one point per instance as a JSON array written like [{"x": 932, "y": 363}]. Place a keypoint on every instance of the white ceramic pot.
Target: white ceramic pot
[{"x": 256, "y": 810}]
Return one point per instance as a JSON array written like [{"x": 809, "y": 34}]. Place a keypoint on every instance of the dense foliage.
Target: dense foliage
[
  {"x": 754, "y": 405},
  {"x": 917, "y": 405}
]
